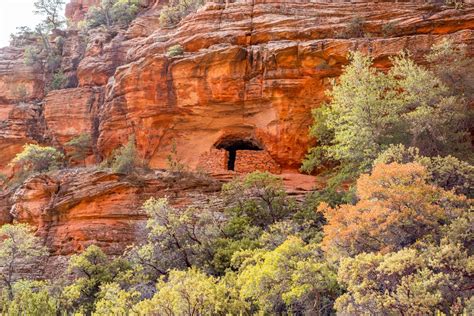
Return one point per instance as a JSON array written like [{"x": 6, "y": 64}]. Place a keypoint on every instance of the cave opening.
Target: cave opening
[{"x": 232, "y": 145}]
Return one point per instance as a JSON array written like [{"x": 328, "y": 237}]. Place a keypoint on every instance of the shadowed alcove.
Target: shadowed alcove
[{"x": 232, "y": 144}]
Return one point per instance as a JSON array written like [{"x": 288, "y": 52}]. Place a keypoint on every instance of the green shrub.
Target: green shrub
[
  {"x": 58, "y": 81},
  {"x": 81, "y": 146},
  {"x": 457, "y": 4},
  {"x": 388, "y": 29},
  {"x": 176, "y": 50},
  {"x": 36, "y": 158},
  {"x": 21, "y": 93},
  {"x": 112, "y": 13},
  {"x": 354, "y": 29},
  {"x": 125, "y": 158},
  {"x": 174, "y": 162},
  {"x": 176, "y": 10}
]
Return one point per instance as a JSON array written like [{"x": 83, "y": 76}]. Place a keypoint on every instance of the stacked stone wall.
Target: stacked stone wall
[
  {"x": 246, "y": 161},
  {"x": 250, "y": 160},
  {"x": 214, "y": 160}
]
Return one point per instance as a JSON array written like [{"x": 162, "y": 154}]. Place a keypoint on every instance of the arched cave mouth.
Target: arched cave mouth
[{"x": 233, "y": 144}]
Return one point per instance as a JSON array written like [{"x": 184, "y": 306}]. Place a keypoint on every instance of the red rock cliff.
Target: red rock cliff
[{"x": 250, "y": 74}]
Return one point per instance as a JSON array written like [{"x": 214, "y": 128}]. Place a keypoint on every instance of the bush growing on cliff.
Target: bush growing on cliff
[
  {"x": 58, "y": 81},
  {"x": 36, "y": 158},
  {"x": 176, "y": 50},
  {"x": 112, "y": 13},
  {"x": 174, "y": 162},
  {"x": 354, "y": 29},
  {"x": 125, "y": 158},
  {"x": 369, "y": 110},
  {"x": 176, "y": 10},
  {"x": 21, "y": 93},
  {"x": 81, "y": 146}
]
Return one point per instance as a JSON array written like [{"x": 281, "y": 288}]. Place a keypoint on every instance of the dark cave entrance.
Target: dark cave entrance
[{"x": 232, "y": 145}]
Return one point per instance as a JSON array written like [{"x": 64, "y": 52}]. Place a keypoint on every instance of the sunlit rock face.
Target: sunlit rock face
[{"x": 253, "y": 70}]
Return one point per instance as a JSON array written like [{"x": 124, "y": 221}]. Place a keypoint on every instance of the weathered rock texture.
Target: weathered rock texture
[
  {"x": 252, "y": 71},
  {"x": 81, "y": 106},
  {"x": 76, "y": 208}
]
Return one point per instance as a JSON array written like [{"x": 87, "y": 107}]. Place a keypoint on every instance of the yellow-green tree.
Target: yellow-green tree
[
  {"x": 113, "y": 300},
  {"x": 19, "y": 247},
  {"x": 91, "y": 269},
  {"x": 293, "y": 278},
  {"x": 28, "y": 298},
  {"x": 36, "y": 158},
  {"x": 189, "y": 292},
  {"x": 370, "y": 109},
  {"x": 432, "y": 276}
]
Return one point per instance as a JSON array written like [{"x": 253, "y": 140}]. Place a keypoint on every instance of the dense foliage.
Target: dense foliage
[
  {"x": 399, "y": 243},
  {"x": 35, "y": 158},
  {"x": 176, "y": 10},
  {"x": 111, "y": 13},
  {"x": 410, "y": 104},
  {"x": 81, "y": 146}
]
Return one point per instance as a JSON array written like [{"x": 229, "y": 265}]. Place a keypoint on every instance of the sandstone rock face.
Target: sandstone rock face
[
  {"x": 77, "y": 208},
  {"x": 81, "y": 106},
  {"x": 77, "y": 9},
  {"x": 244, "y": 88},
  {"x": 255, "y": 70},
  {"x": 18, "y": 81},
  {"x": 19, "y": 124}
]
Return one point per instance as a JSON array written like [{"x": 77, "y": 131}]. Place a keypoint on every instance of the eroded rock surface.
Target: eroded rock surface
[{"x": 79, "y": 207}]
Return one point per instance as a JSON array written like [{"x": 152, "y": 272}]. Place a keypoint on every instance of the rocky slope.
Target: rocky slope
[{"x": 250, "y": 74}]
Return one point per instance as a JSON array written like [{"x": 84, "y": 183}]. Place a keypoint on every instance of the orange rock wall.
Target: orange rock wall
[
  {"x": 213, "y": 161},
  {"x": 251, "y": 160},
  {"x": 254, "y": 69},
  {"x": 76, "y": 208}
]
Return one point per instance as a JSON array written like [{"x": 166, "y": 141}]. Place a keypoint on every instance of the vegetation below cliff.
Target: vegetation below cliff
[{"x": 115, "y": 213}]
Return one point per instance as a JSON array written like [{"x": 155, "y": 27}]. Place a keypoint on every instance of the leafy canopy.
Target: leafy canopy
[
  {"x": 111, "y": 13},
  {"x": 422, "y": 279},
  {"x": 36, "y": 158},
  {"x": 447, "y": 172},
  {"x": 18, "y": 246},
  {"x": 370, "y": 110},
  {"x": 51, "y": 10},
  {"x": 396, "y": 207}
]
